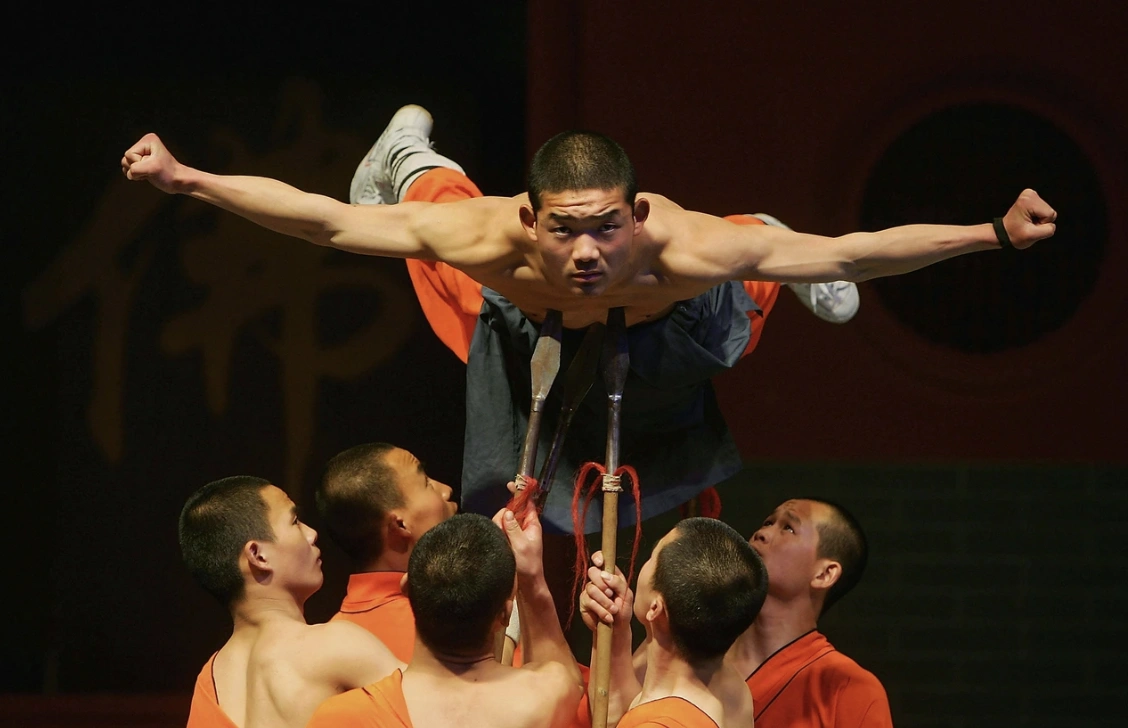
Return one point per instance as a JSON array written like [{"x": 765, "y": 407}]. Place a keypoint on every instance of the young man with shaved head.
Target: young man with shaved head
[
  {"x": 243, "y": 541},
  {"x": 582, "y": 241},
  {"x": 376, "y": 501},
  {"x": 815, "y": 553},
  {"x": 699, "y": 591},
  {"x": 461, "y": 581}
]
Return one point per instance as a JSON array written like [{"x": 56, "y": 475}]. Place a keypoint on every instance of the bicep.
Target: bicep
[
  {"x": 463, "y": 234},
  {"x": 716, "y": 250}
]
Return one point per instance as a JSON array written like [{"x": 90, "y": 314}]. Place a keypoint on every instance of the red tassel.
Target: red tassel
[
  {"x": 523, "y": 499},
  {"x": 579, "y": 519}
]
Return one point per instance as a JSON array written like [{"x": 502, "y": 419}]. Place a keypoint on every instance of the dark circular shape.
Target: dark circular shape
[{"x": 966, "y": 165}]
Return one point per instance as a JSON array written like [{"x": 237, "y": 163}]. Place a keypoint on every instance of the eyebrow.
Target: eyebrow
[
  {"x": 793, "y": 515},
  {"x": 602, "y": 215}
]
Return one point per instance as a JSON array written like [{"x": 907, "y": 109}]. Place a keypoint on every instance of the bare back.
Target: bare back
[
  {"x": 277, "y": 673},
  {"x": 492, "y": 696}
]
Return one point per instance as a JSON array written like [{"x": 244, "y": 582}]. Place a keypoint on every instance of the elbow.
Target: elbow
[
  {"x": 324, "y": 238},
  {"x": 855, "y": 272}
]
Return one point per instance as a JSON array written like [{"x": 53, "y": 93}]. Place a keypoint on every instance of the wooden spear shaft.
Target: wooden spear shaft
[{"x": 616, "y": 362}]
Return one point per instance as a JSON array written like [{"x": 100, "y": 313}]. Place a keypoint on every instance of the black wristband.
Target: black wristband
[{"x": 1001, "y": 234}]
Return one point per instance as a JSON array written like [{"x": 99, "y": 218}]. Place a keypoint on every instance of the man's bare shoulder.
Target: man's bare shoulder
[
  {"x": 548, "y": 690},
  {"x": 306, "y": 645},
  {"x": 479, "y": 232},
  {"x": 670, "y": 224}
]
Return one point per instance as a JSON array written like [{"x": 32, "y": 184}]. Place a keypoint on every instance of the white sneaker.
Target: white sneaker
[
  {"x": 374, "y": 182},
  {"x": 836, "y": 302}
]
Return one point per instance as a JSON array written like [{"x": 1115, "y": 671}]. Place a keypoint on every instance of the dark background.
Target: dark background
[{"x": 971, "y": 415}]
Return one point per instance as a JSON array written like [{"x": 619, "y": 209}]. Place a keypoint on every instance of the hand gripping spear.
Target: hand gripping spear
[
  {"x": 616, "y": 361},
  {"x": 543, "y": 368}
]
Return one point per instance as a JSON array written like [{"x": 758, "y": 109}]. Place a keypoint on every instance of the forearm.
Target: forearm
[
  {"x": 542, "y": 639},
  {"x": 267, "y": 202},
  {"x": 909, "y": 247}
]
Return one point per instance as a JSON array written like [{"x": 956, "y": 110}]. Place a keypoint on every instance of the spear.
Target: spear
[
  {"x": 543, "y": 368},
  {"x": 616, "y": 361},
  {"x": 577, "y": 382}
]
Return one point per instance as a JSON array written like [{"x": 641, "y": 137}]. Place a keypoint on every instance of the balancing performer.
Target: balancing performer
[{"x": 581, "y": 241}]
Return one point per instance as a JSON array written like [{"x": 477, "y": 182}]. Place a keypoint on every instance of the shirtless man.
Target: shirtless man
[
  {"x": 582, "y": 240},
  {"x": 460, "y": 581},
  {"x": 700, "y": 590},
  {"x": 376, "y": 501},
  {"x": 241, "y": 538}
]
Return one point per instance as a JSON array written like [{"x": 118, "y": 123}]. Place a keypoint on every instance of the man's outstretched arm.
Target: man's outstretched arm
[
  {"x": 453, "y": 232},
  {"x": 722, "y": 251}
]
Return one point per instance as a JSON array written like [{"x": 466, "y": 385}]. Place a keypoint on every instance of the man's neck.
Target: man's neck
[
  {"x": 667, "y": 674},
  {"x": 426, "y": 661},
  {"x": 259, "y": 610},
  {"x": 386, "y": 561},
  {"x": 778, "y": 624}
]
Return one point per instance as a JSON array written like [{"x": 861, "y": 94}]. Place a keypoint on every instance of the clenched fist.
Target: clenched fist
[
  {"x": 1029, "y": 220},
  {"x": 148, "y": 159}
]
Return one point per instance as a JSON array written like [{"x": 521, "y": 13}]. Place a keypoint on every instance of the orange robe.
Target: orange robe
[
  {"x": 205, "y": 711},
  {"x": 672, "y": 712},
  {"x": 379, "y": 705},
  {"x": 374, "y": 601},
  {"x": 809, "y": 684}
]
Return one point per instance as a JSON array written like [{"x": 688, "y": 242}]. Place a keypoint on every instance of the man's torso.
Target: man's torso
[
  {"x": 809, "y": 684},
  {"x": 262, "y": 681},
  {"x": 514, "y": 267}
]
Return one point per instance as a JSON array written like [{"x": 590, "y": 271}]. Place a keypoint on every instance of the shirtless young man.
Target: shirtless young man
[
  {"x": 582, "y": 240},
  {"x": 241, "y": 538},
  {"x": 460, "y": 581},
  {"x": 700, "y": 590},
  {"x": 376, "y": 501},
  {"x": 586, "y": 247}
]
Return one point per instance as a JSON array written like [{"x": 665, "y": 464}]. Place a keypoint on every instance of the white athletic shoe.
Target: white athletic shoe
[
  {"x": 375, "y": 180},
  {"x": 836, "y": 302}
]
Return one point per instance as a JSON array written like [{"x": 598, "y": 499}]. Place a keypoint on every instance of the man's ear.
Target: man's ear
[
  {"x": 529, "y": 221},
  {"x": 397, "y": 534},
  {"x": 257, "y": 560},
  {"x": 656, "y": 611},
  {"x": 828, "y": 574},
  {"x": 403, "y": 583},
  {"x": 641, "y": 212}
]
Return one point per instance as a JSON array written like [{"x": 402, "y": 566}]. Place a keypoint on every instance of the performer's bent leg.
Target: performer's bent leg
[
  {"x": 402, "y": 166},
  {"x": 764, "y": 293},
  {"x": 450, "y": 299}
]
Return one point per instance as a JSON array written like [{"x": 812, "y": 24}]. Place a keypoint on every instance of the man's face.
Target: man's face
[
  {"x": 293, "y": 554},
  {"x": 788, "y": 542},
  {"x": 644, "y": 588},
  {"x": 426, "y": 501},
  {"x": 585, "y": 239}
]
